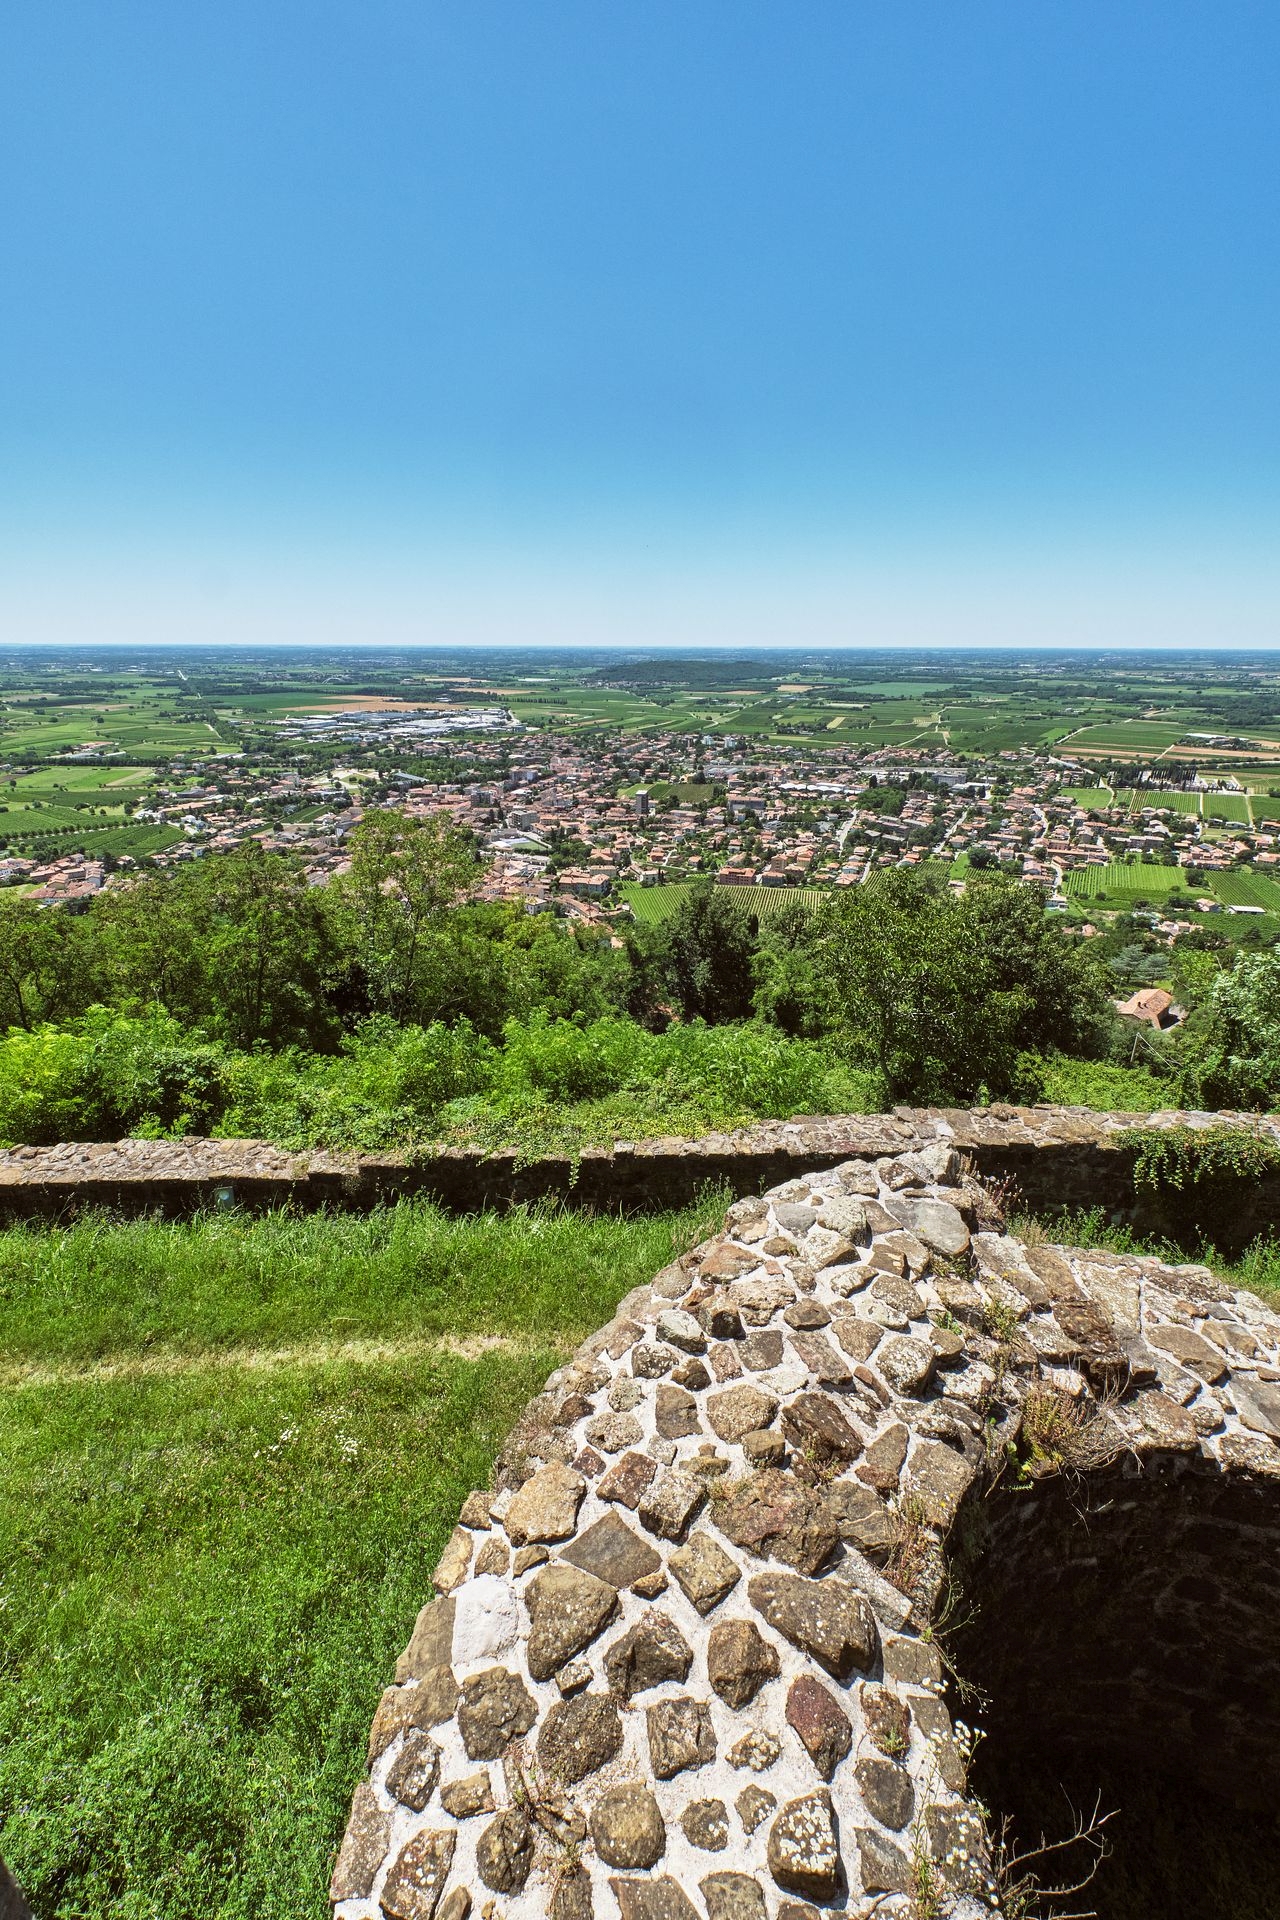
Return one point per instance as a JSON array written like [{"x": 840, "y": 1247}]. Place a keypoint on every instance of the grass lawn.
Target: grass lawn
[{"x": 230, "y": 1452}]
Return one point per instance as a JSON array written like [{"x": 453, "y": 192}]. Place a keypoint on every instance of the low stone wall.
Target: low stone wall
[
  {"x": 685, "y": 1661},
  {"x": 1057, "y": 1156}
]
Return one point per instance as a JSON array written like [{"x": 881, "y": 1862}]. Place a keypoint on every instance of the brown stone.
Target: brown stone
[
  {"x": 455, "y": 1905},
  {"x": 718, "y": 1318},
  {"x": 424, "y": 1703},
  {"x": 862, "y": 1518},
  {"x": 693, "y": 1375},
  {"x": 651, "y": 1899},
  {"x": 546, "y": 1506},
  {"x": 704, "y": 1572},
  {"x": 671, "y": 1503},
  {"x": 579, "y": 1736},
  {"x": 475, "y": 1511},
  {"x": 568, "y": 1608},
  {"x": 884, "y": 1457},
  {"x": 762, "y": 1349},
  {"x": 650, "y": 1362},
  {"x": 773, "y": 1514},
  {"x": 806, "y": 1316},
  {"x": 626, "y": 1827},
  {"x": 754, "y": 1805},
  {"x": 886, "y": 1790},
  {"x": 818, "y": 1355},
  {"x": 431, "y": 1645},
  {"x": 495, "y": 1707},
  {"x": 416, "y": 1881},
  {"x": 740, "y": 1410},
  {"x": 756, "y": 1750},
  {"x": 940, "y": 1477},
  {"x": 571, "y": 1898},
  {"x": 705, "y": 1824},
  {"x": 888, "y": 1720},
  {"x": 612, "y": 1552},
  {"x": 907, "y": 1364},
  {"x": 733, "y": 1896},
  {"x": 451, "y": 1568},
  {"x": 469, "y": 1796},
  {"x": 415, "y": 1770},
  {"x": 803, "y": 1853},
  {"x": 527, "y": 1557},
  {"x": 649, "y": 1653},
  {"x": 884, "y": 1867},
  {"x": 650, "y": 1585},
  {"x": 817, "y": 1429},
  {"x": 1190, "y": 1351},
  {"x": 680, "y": 1736},
  {"x": 612, "y": 1432},
  {"x": 494, "y": 1557},
  {"x": 725, "y": 1364},
  {"x": 364, "y": 1847},
  {"x": 821, "y": 1722},
  {"x": 1057, "y": 1282},
  {"x": 824, "y": 1618},
  {"x": 675, "y": 1412},
  {"x": 915, "y": 1662},
  {"x": 504, "y": 1852},
  {"x": 764, "y": 1449},
  {"x": 858, "y": 1337},
  {"x": 739, "y": 1661},
  {"x": 727, "y": 1262}
]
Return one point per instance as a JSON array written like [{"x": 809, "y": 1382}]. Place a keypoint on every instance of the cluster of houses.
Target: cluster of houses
[{"x": 562, "y": 819}]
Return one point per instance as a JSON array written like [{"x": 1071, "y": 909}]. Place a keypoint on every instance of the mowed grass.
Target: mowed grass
[{"x": 230, "y": 1453}]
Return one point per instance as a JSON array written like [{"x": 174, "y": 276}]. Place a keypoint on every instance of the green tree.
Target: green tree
[
  {"x": 404, "y": 874},
  {"x": 237, "y": 943},
  {"x": 710, "y": 942},
  {"x": 942, "y": 995},
  {"x": 45, "y": 962}
]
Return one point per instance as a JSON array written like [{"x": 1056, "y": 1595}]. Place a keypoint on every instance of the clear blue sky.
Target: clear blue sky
[{"x": 778, "y": 320}]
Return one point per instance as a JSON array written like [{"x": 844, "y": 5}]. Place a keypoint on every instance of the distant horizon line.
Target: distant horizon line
[{"x": 902, "y": 648}]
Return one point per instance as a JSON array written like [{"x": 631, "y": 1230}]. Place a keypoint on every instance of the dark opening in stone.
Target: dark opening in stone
[{"x": 1126, "y": 1632}]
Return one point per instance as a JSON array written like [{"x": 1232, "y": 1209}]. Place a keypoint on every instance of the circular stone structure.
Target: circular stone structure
[{"x": 692, "y": 1654}]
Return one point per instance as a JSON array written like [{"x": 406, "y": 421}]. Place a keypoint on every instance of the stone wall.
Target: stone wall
[
  {"x": 686, "y": 1655},
  {"x": 1057, "y": 1157}
]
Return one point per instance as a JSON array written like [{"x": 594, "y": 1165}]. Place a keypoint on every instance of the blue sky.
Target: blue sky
[{"x": 728, "y": 320}]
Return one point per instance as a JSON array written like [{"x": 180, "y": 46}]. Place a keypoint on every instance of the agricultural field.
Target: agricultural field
[
  {"x": 231, "y": 1451},
  {"x": 652, "y": 905},
  {"x": 1123, "y": 880}
]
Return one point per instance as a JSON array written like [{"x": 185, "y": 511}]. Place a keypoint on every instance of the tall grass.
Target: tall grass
[{"x": 207, "y": 1568}]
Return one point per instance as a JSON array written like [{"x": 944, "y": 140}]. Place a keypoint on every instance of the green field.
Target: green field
[
  {"x": 1124, "y": 880},
  {"x": 1230, "y": 807},
  {"x": 230, "y": 1453},
  {"x": 652, "y": 905}
]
